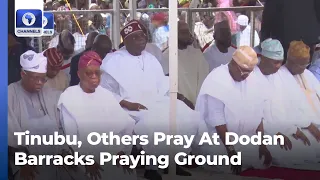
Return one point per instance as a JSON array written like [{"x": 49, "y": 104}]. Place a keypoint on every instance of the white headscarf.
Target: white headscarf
[{"x": 33, "y": 62}]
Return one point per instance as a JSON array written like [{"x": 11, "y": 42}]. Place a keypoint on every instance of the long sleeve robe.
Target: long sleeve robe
[{"x": 140, "y": 79}]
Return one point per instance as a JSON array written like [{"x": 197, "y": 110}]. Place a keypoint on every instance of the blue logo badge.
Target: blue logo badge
[
  {"x": 48, "y": 24},
  {"x": 28, "y": 23}
]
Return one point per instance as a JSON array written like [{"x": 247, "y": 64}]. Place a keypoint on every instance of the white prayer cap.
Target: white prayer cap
[
  {"x": 245, "y": 57},
  {"x": 243, "y": 20},
  {"x": 272, "y": 48},
  {"x": 145, "y": 16},
  {"x": 33, "y": 62}
]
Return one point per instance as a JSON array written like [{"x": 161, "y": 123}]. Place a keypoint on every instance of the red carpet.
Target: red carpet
[{"x": 283, "y": 173}]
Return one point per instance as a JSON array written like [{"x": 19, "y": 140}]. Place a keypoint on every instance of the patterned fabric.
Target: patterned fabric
[
  {"x": 130, "y": 28},
  {"x": 55, "y": 58},
  {"x": 160, "y": 37},
  {"x": 89, "y": 58}
]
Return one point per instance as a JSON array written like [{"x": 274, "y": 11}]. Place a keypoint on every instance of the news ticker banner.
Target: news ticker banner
[{"x": 31, "y": 21}]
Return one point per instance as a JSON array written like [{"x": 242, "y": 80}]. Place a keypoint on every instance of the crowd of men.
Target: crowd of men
[{"x": 224, "y": 86}]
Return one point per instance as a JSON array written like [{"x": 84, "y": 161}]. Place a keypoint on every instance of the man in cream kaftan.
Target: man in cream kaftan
[
  {"x": 87, "y": 108},
  {"x": 284, "y": 117},
  {"x": 236, "y": 106},
  {"x": 305, "y": 89}
]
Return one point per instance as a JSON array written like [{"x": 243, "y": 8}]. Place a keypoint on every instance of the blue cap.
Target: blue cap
[{"x": 272, "y": 48}]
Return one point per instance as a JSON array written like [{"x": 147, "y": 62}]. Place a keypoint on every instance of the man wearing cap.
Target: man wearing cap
[
  {"x": 66, "y": 48},
  {"x": 160, "y": 35},
  {"x": 304, "y": 90},
  {"x": 220, "y": 51},
  {"x": 33, "y": 107},
  {"x": 57, "y": 79},
  {"x": 283, "y": 116},
  {"x": 232, "y": 99},
  {"x": 136, "y": 78},
  {"x": 87, "y": 108},
  {"x": 192, "y": 66},
  {"x": 242, "y": 38}
]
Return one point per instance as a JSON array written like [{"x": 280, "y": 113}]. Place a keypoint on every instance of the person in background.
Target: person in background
[
  {"x": 204, "y": 30},
  {"x": 56, "y": 78},
  {"x": 232, "y": 99},
  {"x": 84, "y": 108},
  {"x": 66, "y": 48},
  {"x": 74, "y": 79},
  {"x": 221, "y": 50},
  {"x": 136, "y": 79},
  {"x": 160, "y": 35},
  {"x": 192, "y": 66},
  {"x": 33, "y": 107},
  {"x": 80, "y": 34},
  {"x": 97, "y": 24},
  {"x": 242, "y": 38},
  {"x": 230, "y": 16},
  {"x": 282, "y": 115},
  {"x": 315, "y": 62}
]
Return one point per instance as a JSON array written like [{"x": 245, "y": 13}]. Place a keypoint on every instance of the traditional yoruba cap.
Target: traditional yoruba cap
[
  {"x": 299, "y": 49},
  {"x": 243, "y": 20},
  {"x": 54, "y": 57},
  {"x": 89, "y": 58},
  {"x": 159, "y": 16},
  {"x": 132, "y": 27},
  {"x": 245, "y": 57},
  {"x": 33, "y": 62},
  {"x": 272, "y": 48}
]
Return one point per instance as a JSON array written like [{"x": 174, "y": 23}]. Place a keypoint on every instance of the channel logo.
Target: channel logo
[
  {"x": 48, "y": 24},
  {"x": 28, "y": 23}
]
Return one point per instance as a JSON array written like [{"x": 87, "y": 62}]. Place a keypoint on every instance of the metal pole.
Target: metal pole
[
  {"x": 173, "y": 75},
  {"x": 253, "y": 29},
  {"x": 40, "y": 44},
  {"x": 133, "y": 9},
  {"x": 116, "y": 24}
]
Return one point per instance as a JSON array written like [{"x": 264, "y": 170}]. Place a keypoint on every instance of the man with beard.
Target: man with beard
[
  {"x": 87, "y": 108},
  {"x": 232, "y": 99},
  {"x": 220, "y": 51},
  {"x": 192, "y": 67},
  {"x": 136, "y": 79},
  {"x": 283, "y": 117}
]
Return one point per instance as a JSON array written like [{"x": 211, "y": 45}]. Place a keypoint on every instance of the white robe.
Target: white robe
[
  {"x": 83, "y": 113},
  {"x": 238, "y": 105},
  {"x": 215, "y": 58},
  {"x": 284, "y": 117},
  {"x": 140, "y": 79},
  {"x": 192, "y": 70},
  {"x": 310, "y": 113}
]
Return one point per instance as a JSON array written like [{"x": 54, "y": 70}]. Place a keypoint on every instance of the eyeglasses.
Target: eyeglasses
[
  {"x": 36, "y": 79},
  {"x": 243, "y": 73},
  {"x": 91, "y": 74}
]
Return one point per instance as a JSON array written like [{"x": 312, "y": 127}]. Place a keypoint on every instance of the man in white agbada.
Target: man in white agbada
[
  {"x": 284, "y": 118},
  {"x": 242, "y": 38},
  {"x": 33, "y": 107},
  {"x": 87, "y": 108},
  {"x": 232, "y": 99},
  {"x": 137, "y": 80},
  {"x": 192, "y": 66},
  {"x": 220, "y": 51},
  {"x": 304, "y": 90}
]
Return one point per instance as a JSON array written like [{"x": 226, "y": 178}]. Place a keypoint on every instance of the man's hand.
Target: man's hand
[
  {"x": 94, "y": 171},
  {"x": 132, "y": 106},
  {"x": 287, "y": 143},
  {"x": 300, "y": 135},
  {"x": 263, "y": 151},
  {"x": 28, "y": 172},
  {"x": 126, "y": 169},
  {"x": 314, "y": 131},
  {"x": 236, "y": 169}
]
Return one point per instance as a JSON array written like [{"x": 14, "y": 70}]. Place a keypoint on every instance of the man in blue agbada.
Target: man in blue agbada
[{"x": 283, "y": 114}]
